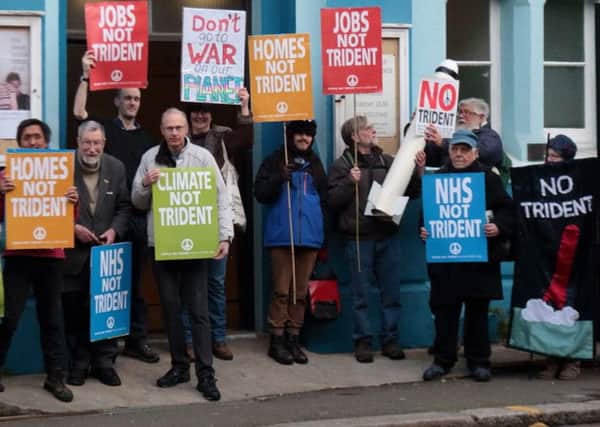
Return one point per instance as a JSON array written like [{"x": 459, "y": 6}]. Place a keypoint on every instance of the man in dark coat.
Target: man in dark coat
[
  {"x": 104, "y": 214},
  {"x": 378, "y": 241},
  {"x": 471, "y": 284}
]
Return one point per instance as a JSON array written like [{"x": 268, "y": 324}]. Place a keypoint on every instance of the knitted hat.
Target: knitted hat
[{"x": 564, "y": 146}]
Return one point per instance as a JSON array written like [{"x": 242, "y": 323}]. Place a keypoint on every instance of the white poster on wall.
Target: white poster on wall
[
  {"x": 15, "y": 79},
  {"x": 380, "y": 108}
]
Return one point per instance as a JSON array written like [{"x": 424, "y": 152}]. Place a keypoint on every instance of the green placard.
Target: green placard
[{"x": 184, "y": 208}]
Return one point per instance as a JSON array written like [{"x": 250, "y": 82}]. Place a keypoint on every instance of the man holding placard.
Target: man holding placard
[
  {"x": 103, "y": 219},
  {"x": 37, "y": 268},
  {"x": 127, "y": 141},
  {"x": 182, "y": 279},
  {"x": 474, "y": 284}
]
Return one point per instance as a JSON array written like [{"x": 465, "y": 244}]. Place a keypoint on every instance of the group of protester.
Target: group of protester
[{"x": 116, "y": 165}]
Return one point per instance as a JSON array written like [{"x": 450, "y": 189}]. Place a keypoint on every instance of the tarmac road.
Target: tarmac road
[{"x": 509, "y": 388}]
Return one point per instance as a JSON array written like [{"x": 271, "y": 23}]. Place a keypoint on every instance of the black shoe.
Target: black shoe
[
  {"x": 77, "y": 377},
  {"x": 278, "y": 352},
  {"x": 142, "y": 352},
  {"x": 480, "y": 374},
  {"x": 1, "y": 386},
  {"x": 207, "y": 385},
  {"x": 363, "y": 350},
  {"x": 173, "y": 377},
  {"x": 434, "y": 371},
  {"x": 291, "y": 344},
  {"x": 392, "y": 350},
  {"x": 55, "y": 384},
  {"x": 107, "y": 376}
]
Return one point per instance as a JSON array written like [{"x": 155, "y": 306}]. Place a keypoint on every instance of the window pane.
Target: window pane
[
  {"x": 563, "y": 30},
  {"x": 468, "y": 30},
  {"x": 166, "y": 15},
  {"x": 563, "y": 97},
  {"x": 474, "y": 82}
]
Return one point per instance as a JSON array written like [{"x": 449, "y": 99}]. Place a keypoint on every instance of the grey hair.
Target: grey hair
[
  {"x": 351, "y": 126},
  {"x": 172, "y": 110},
  {"x": 479, "y": 105},
  {"x": 90, "y": 126}
]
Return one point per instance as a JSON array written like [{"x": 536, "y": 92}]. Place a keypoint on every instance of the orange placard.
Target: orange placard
[
  {"x": 37, "y": 214},
  {"x": 280, "y": 77}
]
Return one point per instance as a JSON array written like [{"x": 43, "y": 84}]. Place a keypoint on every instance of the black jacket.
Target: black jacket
[
  {"x": 342, "y": 200},
  {"x": 453, "y": 281},
  {"x": 113, "y": 209}
]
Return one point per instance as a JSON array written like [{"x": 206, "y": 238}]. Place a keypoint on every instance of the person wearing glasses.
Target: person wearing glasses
[{"x": 473, "y": 114}]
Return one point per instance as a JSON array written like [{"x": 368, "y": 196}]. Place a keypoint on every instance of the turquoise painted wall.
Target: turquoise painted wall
[{"x": 53, "y": 60}]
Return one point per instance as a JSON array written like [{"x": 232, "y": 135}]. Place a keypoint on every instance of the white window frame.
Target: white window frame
[
  {"x": 584, "y": 137},
  {"x": 344, "y": 104},
  {"x": 34, "y": 22},
  {"x": 495, "y": 101}
]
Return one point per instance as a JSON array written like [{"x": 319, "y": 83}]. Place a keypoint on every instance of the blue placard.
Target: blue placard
[
  {"x": 454, "y": 212},
  {"x": 110, "y": 291}
]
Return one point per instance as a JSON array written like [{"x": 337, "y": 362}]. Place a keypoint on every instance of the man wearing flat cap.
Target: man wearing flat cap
[
  {"x": 473, "y": 284},
  {"x": 300, "y": 172}
]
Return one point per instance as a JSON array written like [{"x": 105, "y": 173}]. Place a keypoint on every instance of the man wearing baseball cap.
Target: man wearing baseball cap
[{"x": 473, "y": 284}]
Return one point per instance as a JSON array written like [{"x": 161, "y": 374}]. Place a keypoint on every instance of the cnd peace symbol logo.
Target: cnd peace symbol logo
[
  {"x": 352, "y": 80},
  {"x": 187, "y": 244},
  {"x": 455, "y": 248},
  {"x": 116, "y": 75},
  {"x": 39, "y": 233},
  {"x": 110, "y": 322},
  {"x": 282, "y": 107}
]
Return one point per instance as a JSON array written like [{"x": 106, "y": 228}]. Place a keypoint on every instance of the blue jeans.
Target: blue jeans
[
  {"x": 216, "y": 302},
  {"x": 380, "y": 265}
]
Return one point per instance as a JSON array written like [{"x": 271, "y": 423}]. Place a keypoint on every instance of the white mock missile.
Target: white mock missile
[{"x": 388, "y": 198}]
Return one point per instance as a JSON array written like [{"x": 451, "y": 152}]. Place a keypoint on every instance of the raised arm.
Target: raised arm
[{"x": 88, "y": 61}]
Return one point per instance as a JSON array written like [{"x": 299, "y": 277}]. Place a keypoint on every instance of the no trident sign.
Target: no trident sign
[{"x": 438, "y": 100}]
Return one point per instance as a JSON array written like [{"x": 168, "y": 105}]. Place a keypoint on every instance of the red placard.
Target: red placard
[
  {"x": 351, "y": 50},
  {"x": 117, "y": 32}
]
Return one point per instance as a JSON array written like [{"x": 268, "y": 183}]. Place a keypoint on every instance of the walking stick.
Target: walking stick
[
  {"x": 356, "y": 195},
  {"x": 291, "y": 223}
]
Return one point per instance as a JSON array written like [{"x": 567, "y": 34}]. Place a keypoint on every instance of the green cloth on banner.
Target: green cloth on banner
[
  {"x": 185, "y": 214},
  {"x": 573, "y": 342}
]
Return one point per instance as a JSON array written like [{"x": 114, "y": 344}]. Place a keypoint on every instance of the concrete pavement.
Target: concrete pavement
[{"x": 252, "y": 375}]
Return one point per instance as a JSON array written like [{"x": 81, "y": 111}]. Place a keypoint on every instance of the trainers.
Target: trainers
[
  {"x": 143, "y": 352},
  {"x": 392, "y": 350},
  {"x": 291, "y": 343},
  {"x": 363, "y": 351},
  {"x": 434, "y": 371},
  {"x": 54, "y": 384},
  {"x": 480, "y": 374},
  {"x": 77, "y": 377},
  {"x": 207, "y": 385},
  {"x": 107, "y": 376},
  {"x": 278, "y": 352},
  {"x": 173, "y": 377},
  {"x": 222, "y": 351},
  {"x": 569, "y": 371}
]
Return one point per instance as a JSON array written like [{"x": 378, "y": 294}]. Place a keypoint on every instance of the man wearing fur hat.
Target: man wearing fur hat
[{"x": 293, "y": 168}]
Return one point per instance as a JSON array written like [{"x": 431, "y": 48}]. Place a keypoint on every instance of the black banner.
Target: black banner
[{"x": 555, "y": 291}]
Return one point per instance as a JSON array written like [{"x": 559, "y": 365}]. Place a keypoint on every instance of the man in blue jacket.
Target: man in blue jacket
[{"x": 301, "y": 173}]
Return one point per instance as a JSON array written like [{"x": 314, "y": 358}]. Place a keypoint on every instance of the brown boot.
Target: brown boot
[
  {"x": 222, "y": 351},
  {"x": 570, "y": 371}
]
